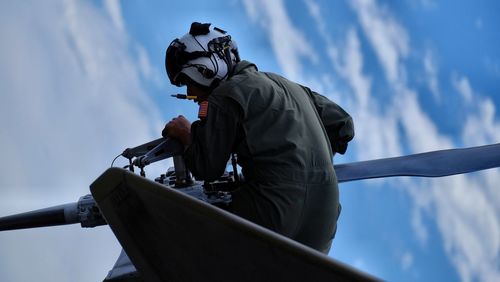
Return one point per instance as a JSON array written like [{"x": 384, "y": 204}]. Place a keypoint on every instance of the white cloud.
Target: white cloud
[
  {"x": 71, "y": 101},
  {"x": 431, "y": 71},
  {"x": 114, "y": 10},
  {"x": 428, "y": 4},
  {"x": 389, "y": 38},
  {"x": 314, "y": 10},
  {"x": 492, "y": 66},
  {"x": 146, "y": 68},
  {"x": 376, "y": 143},
  {"x": 417, "y": 223},
  {"x": 466, "y": 214},
  {"x": 390, "y": 42},
  {"x": 464, "y": 207},
  {"x": 422, "y": 133},
  {"x": 482, "y": 128},
  {"x": 350, "y": 65},
  {"x": 347, "y": 59},
  {"x": 461, "y": 234},
  {"x": 462, "y": 85},
  {"x": 406, "y": 260},
  {"x": 477, "y": 250},
  {"x": 289, "y": 43}
]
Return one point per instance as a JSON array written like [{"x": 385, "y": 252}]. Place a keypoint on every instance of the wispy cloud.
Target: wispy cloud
[
  {"x": 346, "y": 58},
  {"x": 146, "y": 68},
  {"x": 467, "y": 214},
  {"x": 456, "y": 203},
  {"x": 72, "y": 99},
  {"x": 463, "y": 209},
  {"x": 462, "y": 86},
  {"x": 114, "y": 10},
  {"x": 492, "y": 66},
  {"x": 371, "y": 141},
  {"x": 389, "y": 38},
  {"x": 428, "y": 4},
  {"x": 314, "y": 10},
  {"x": 406, "y": 260},
  {"x": 483, "y": 127},
  {"x": 456, "y": 210},
  {"x": 431, "y": 70},
  {"x": 290, "y": 45}
]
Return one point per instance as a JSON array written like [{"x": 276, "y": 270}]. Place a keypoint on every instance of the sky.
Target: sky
[{"x": 80, "y": 81}]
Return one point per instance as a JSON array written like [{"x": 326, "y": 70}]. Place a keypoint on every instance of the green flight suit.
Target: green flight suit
[{"x": 285, "y": 137}]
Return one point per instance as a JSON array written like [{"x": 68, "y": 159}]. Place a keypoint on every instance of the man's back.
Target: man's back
[
  {"x": 286, "y": 157},
  {"x": 282, "y": 130}
]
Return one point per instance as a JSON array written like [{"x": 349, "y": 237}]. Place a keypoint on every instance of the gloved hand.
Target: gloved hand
[{"x": 178, "y": 128}]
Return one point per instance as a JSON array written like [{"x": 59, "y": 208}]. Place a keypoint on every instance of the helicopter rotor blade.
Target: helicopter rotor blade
[
  {"x": 85, "y": 211},
  {"x": 430, "y": 164},
  {"x": 58, "y": 215}
]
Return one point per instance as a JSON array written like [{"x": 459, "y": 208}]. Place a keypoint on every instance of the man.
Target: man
[{"x": 284, "y": 135}]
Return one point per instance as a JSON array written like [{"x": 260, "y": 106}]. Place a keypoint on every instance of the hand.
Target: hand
[{"x": 178, "y": 128}]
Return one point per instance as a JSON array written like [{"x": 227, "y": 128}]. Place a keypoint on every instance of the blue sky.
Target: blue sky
[{"x": 82, "y": 80}]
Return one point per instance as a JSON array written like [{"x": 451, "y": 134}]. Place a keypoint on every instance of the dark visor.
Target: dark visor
[{"x": 176, "y": 59}]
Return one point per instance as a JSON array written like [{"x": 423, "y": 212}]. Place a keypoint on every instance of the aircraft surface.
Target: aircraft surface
[{"x": 158, "y": 223}]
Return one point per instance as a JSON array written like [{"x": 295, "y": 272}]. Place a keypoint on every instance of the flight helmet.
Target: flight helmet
[{"x": 203, "y": 56}]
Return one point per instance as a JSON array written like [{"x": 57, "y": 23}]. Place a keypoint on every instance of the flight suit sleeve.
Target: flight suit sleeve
[
  {"x": 338, "y": 123},
  {"x": 212, "y": 140}
]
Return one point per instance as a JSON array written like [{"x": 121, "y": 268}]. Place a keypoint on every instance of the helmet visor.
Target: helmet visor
[{"x": 174, "y": 62}]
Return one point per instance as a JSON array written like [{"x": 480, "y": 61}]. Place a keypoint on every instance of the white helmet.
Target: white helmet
[{"x": 202, "y": 56}]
